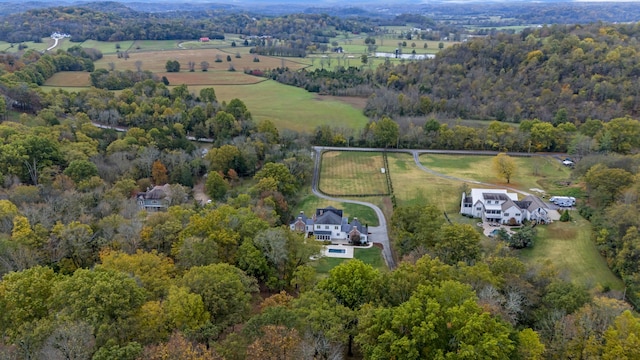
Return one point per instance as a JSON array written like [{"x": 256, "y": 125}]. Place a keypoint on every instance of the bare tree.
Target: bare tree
[
  {"x": 192, "y": 66},
  {"x": 112, "y": 66},
  {"x": 145, "y": 159},
  {"x": 204, "y": 65},
  {"x": 138, "y": 65},
  {"x": 70, "y": 341}
]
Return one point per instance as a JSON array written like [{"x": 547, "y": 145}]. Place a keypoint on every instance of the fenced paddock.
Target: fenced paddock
[{"x": 353, "y": 174}]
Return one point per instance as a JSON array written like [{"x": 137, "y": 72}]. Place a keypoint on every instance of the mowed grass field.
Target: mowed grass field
[
  {"x": 345, "y": 173},
  {"x": 293, "y": 108},
  {"x": 569, "y": 247},
  {"x": 413, "y": 186},
  {"x": 541, "y": 172}
]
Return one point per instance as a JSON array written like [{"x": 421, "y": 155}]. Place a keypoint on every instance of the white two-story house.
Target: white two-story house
[
  {"x": 330, "y": 224},
  {"x": 503, "y": 207}
]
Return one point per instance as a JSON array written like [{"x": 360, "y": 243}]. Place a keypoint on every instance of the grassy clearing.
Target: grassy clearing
[
  {"x": 292, "y": 108},
  {"x": 70, "y": 79},
  {"x": 156, "y": 60},
  {"x": 352, "y": 172},
  {"x": 371, "y": 256},
  {"x": 364, "y": 214},
  {"x": 545, "y": 173},
  {"x": 210, "y": 78},
  {"x": 107, "y": 47},
  {"x": 413, "y": 186},
  {"x": 38, "y": 46},
  {"x": 568, "y": 246}
]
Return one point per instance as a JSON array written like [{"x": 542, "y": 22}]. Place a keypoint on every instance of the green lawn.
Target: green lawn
[
  {"x": 569, "y": 247},
  {"x": 289, "y": 107},
  {"x": 46, "y": 42},
  {"x": 107, "y": 47},
  {"x": 347, "y": 173},
  {"x": 371, "y": 256},
  {"x": 365, "y": 214},
  {"x": 540, "y": 172},
  {"x": 412, "y": 185}
]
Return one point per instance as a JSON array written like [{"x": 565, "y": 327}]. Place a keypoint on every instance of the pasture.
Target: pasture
[
  {"x": 413, "y": 186},
  {"x": 156, "y": 61},
  {"x": 569, "y": 247},
  {"x": 292, "y": 108},
  {"x": 106, "y": 47},
  {"x": 346, "y": 173},
  {"x": 543, "y": 172},
  {"x": 73, "y": 79}
]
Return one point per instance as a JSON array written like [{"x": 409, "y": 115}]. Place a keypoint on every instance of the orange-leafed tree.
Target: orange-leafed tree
[{"x": 159, "y": 173}]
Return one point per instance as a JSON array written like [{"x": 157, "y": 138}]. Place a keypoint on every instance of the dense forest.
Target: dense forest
[
  {"x": 226, "y": 279},
  {"x": 555, "y": 74}
]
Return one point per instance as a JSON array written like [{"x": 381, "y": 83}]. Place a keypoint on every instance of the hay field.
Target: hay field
[
  {"x": 291, "y": 107},
  {"x": 345, "y": 173},
  {"x": 69, "y": 79},
  {"x": 155, "y": 61}
]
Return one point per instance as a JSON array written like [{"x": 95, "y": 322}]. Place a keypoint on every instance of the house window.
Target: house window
[
  {"x": 326, "y": 227},
  {"x": 506, "y": 214},
  {"x": 517, "y": 214},
  {"x": 335, "y": 228},
  {"x": 478, "y": 208}
]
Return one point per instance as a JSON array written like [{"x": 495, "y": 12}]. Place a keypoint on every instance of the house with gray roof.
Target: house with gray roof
[
  {"x": 330, "y": 224},
  {"x": 156, "y": 199},
  {"x": 502, "y": 207}
]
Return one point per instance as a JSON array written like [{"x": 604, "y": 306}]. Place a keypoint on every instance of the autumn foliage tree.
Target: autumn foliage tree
[
  {"x": 504, "y": 166},
  {"x": 159, "y": 173}
]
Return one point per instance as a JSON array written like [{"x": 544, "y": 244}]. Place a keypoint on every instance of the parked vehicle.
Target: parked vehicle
[{"x": 564, "y": 201}]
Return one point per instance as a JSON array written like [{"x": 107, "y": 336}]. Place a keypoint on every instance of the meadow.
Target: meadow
[
  {"x": 345, "y": 173},
  {"x": 292, "y": 108},
  {"x": 413, "y": 186},
  {"x": 156, "y": 60},
  {"x": 536, "y": 172},
  {"x": 569, "y": 247}
]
